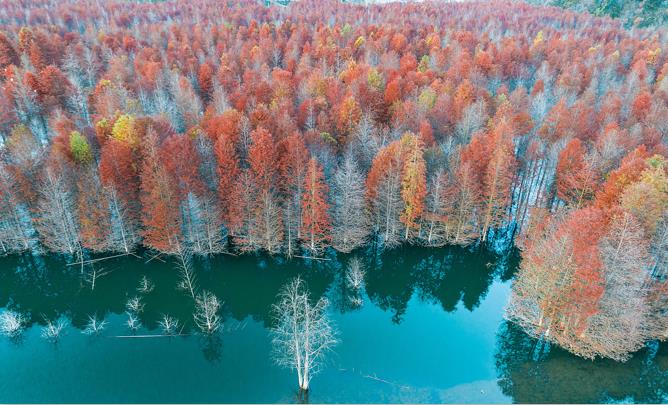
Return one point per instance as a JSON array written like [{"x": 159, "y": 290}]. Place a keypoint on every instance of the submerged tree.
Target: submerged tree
[
  {"x": 145, "y": 285},
  {"x": 95, "y": 325},
  {"x": 303, "y": 334},
  {"x": 206, "y": 312},
  {"x": 11, "y": 323},
  {"x": 53, "y": 329},
  {"x": 169, "y": 325},
  {"x": 187, "y": 277}
]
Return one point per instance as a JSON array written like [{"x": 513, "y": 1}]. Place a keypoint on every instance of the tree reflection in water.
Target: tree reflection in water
[
  {"x": 248, "y": 285},
  {"x": 530, "y": 373},
  {"x": 446, "y": 276},
  {"x": 452, "y": 278}
]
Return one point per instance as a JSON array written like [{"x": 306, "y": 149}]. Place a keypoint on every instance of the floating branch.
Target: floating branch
[{"x": 83, "y": 262}]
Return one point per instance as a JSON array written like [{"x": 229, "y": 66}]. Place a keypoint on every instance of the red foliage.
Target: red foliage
[
  {"x": 263, "y": 159},
  {"x": 392, "y": 92},
  {"x": 225, "y": 124},
  {"x": 95, "y": 225},
  {"x": 182, "y": 162},
  {"x": 205, "y": 80},
  {"x": 160, "y": 210},
  {"x": 641, "y": 105},
  {"x": 8, "y": 54},
  {"x": 293, "y": 160},
  {"x": 118, "y": 170},
  {"x": 316, "y": 225},
  {"x": 628, "y": 172},
  {"x": 229, "y": 186},
  {"x": 576, "y": 179},
  {"x": 585, "y": 228}
]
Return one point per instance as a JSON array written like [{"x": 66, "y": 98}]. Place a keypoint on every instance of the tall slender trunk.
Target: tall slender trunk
[{"x": 120, "y": 219}]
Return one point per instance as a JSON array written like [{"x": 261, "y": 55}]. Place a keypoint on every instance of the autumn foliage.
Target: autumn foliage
[{"x": 238, "y": 127}]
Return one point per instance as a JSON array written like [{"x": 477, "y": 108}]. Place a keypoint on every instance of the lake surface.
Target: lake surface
[{"x": 429, "y": 328}]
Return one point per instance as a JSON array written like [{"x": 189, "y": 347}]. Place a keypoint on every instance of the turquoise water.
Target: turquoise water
[{"x": 430, "y": 328}]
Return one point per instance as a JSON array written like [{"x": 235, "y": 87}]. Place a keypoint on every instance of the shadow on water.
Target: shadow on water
[
  {"x": 451, "y": 276},
  {"x": 46, "y": 287},
  {"x": 556, "y": 376},
  {"x": 453, "y": 283}
]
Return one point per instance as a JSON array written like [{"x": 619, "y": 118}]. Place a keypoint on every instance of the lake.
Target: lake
[{"x": 427, "y": 326}]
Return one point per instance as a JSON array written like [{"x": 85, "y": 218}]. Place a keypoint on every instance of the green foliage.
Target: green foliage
[
  {"x": 80, "y": 148},
  {"x": 375, "y": 79},
  {"x": 327, "y": 137},
  {"x": 427, "y": 98},
  {"x": 656, "y": 162},
  {"x": 424, "y": 64}
]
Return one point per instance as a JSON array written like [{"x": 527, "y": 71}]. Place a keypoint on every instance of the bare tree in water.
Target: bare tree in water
[
  {"x": 355, "y": 274},
  {"x": 206, "y": 312},
  {"x": 187, "y": 278},
  {"x": 302, "y": 335},
  {"x": 11, "y": 323}
]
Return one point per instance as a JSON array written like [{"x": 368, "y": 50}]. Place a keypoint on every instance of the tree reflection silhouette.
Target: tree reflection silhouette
[
  {"x": 446, "y": 276},
  {"x": 212, "y": 347},
  {"x": 557, "y": 376},
  {"x": 248, "y": 285},
  {"x": 46, "y": 286}
]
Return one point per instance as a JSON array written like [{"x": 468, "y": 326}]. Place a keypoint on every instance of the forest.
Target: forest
[
  {"x": 228, "y": 127},
  {"x": 641, "y": 13}
]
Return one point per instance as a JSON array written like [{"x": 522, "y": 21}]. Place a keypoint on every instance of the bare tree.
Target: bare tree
[
  {"x": 659, "y": 248},
  {"x": 188, "y": 280},
  {"x": 133, "y": 321},
  {"x": 366, "y": 141},
  {"x": 436, "y": 226},
  {"x": 203, "y": 224},
  {"x": 135, "y": 305},
  {"x": 620, "y": 325},
  {"x": 206, "y": 312},
  {"x": 168, "y": 324},
  {"x": 124, "y": 232},
  {"x": 15, "y": 225},
  {"x": 350, "y": 218},
  {"x": 355, "y": 274},
  {"x": 387, "y": 207},
  {"x": 220, "y": 102},
  {"x": 94, "y": 326},
  {"x": 57, "y": 223},
  {"x": 53, "y": 329},
  {"x": 11, "y": 323},
  {"x": 28, "y": 110},
  {"x": 473, "y": 119},
  {"x": 90, "y": 276},
  {"x": 303, "y": 334},
  {"x": 145, "y": 285}
]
